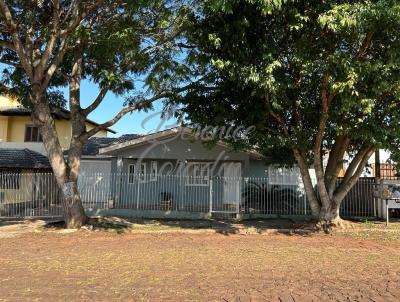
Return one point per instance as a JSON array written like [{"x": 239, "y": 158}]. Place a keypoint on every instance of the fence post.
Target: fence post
[
  {"x": 211, "y": 195},
  {"x": 138, "y": 191},
  {"x": 119, "y": 181}
]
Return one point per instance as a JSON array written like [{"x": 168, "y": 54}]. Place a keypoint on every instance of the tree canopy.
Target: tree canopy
[
  {"x": 122, "y": 42},
  {"x": 314, "y": 77}
]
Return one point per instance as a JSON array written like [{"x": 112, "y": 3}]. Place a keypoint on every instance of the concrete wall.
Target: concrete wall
[
  {"x": 91, "y": 166},
  {"x": 3, "y": 128}
]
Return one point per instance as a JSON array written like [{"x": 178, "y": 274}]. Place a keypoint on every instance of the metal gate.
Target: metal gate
[{"x": 360, "y": 201}]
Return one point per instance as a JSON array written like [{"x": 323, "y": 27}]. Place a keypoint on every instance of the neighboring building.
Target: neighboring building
[
  {"x": 384, "y": 169},
  {"x": 17, "y": 162},
  {"x": 381, "y": 164},
  {"x": 22, "y": 152},
  {"x": 18, "y": 132}
]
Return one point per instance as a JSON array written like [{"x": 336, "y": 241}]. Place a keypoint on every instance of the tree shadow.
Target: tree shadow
[
  {"x": 10, "y": 221},
  {"x": 94, "y": 224},
  {"x": 223, "y": 226},
  {"x": 218, "y": 226}
]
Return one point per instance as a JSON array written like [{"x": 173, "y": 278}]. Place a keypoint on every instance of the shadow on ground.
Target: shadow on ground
[
  {"x": 225, "y": 226},
  {"x": 120, "y": 225}
]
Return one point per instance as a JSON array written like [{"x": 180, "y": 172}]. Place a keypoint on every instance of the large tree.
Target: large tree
[
  {"x": 318, "y": 79},
  {"x": 50, "y": 44}
]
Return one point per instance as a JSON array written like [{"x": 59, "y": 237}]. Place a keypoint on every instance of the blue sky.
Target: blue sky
[{"x": 136, "y": 122}]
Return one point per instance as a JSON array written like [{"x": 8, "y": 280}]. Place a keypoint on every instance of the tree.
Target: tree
[
  {"x": 51, "y": 44},
  {"x": 318, "y": 79}
]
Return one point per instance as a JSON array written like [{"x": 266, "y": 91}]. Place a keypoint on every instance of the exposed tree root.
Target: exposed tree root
[{"x": 329, "y": 226}]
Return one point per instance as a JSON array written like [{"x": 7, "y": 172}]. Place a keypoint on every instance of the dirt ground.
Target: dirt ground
[{"x": 106, "y": 266}]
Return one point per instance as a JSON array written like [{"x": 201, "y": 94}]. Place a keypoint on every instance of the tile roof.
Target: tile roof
[
  {"x": 23, "y": 159},
  {"x": 95, "y": 143}
]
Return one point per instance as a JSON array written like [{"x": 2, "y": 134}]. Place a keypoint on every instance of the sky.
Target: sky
[{"x": 136, "y": 122}]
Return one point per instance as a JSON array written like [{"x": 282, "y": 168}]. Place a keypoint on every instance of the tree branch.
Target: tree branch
[
  {"x": 7, "y": 45},
  {"x": 50, "y": 44},
  {"x": 364, "y": 46},
  {"x": 135, "y": 106},
  {"x": 19, "y": 48},
  {"x": 308, "y": 185},
  {"x": 186, "y": 46},
  {"x": 355, "y": 163},
  {"x": 121, "y": 113},
  {"x": 277, "y": 117},
  {"x": 280, "y": 121},
  {"x": 350, "y": 181},
  {"x": 74, "y": 85},
  {"x": 78, "y": 16},
  {"x": 335, "y": 162},
  {"x": 96, "y": 102},
  {"x": 56, "y": 62},
  {"x": 318, "y": 166}
]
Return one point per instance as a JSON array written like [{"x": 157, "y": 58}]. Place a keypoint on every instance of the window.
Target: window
[
  {"x": 32, "y": 134},
  {"x": 142, "y": 173},
  {"x": 9, "y": 180},
  {"x": 198, "y": 174},
  {"x": 153, "y": 171},
  {"x": 131, "y": 174}
]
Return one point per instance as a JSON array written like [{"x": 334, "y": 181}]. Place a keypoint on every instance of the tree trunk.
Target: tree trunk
[
  {"x": 324, "y": 210},
  {"x": 74, "y": 213},
  {"x": 329, "y": 217},
  {"x": 308, "y": 185}
]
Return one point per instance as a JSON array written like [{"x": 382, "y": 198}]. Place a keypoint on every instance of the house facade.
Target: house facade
[{"x": 177, "y": 171}]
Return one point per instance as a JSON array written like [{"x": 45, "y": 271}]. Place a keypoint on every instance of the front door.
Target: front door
[{"x": 232, "y": 177}]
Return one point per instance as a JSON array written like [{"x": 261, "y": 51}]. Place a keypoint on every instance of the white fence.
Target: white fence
[
  {"x": 37, "y": 195},
  {"x": 29, "y": 195}
]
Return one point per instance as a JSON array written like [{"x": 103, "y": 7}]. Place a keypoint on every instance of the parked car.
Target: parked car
[{"x": 265, "y": 198}]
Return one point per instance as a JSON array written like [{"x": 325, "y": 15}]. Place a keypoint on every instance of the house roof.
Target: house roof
[
  {"x": 23, "y": 159},
  {"x": 58, "y": 113},
  {"x": 94, "y": 144},
  {"x": 157, "y": 136}
]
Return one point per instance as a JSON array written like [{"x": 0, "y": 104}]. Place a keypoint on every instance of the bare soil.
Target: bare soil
[{"x": 108, "y": 266}]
